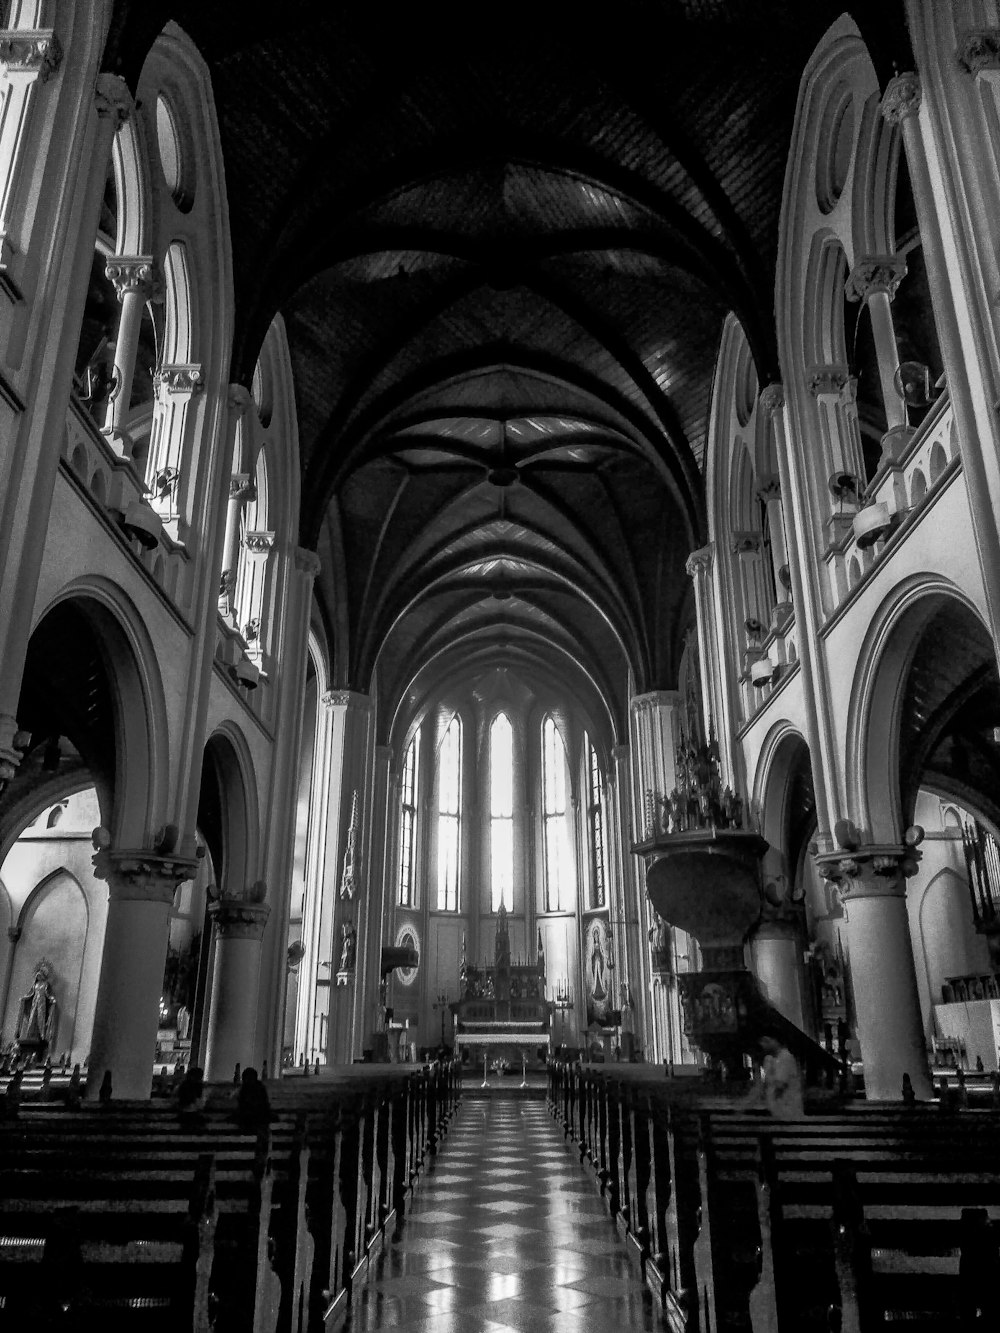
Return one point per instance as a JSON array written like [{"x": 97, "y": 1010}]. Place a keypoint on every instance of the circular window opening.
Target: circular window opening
[
  {"x": 176, "y": 157},
  {"x": 836, "y": 149}
]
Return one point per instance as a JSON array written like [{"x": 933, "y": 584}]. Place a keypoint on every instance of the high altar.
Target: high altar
[{"x": 503, "y": 1012}]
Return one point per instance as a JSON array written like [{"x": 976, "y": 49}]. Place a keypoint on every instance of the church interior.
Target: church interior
[{"x": 523, "y": 499}]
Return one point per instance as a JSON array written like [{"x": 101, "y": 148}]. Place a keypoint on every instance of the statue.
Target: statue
[
  {"x": 347, "y": 948},
  {"x": 597, "y": 966},
  {"x": 36, "y": 1025}
]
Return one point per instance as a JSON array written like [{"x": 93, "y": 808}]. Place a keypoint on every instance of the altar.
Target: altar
[{"x": 502, "y": 1012}]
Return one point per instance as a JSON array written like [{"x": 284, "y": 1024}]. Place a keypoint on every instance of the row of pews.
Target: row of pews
[
  {"x": 132, "y": 1216},
  {"x": 858, "y": 1217}
]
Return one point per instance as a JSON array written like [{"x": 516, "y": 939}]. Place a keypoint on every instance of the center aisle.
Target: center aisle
[{"x": 506, "y": 1233}]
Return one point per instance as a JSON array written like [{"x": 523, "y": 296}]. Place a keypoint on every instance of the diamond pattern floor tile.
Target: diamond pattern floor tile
[{"x": 507, "y": 1233}]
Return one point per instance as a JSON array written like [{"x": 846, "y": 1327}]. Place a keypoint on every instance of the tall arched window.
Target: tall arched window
[
  {"x": 595, "y": 825},
  {"x": 449, "y": 815},
  {"x": 558, "y": 870},
  {"x": 408, "y": 822},
  {"x": 502, "y": 812}
]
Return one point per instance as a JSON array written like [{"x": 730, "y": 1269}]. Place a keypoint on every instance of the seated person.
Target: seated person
[{"x": 253, "y": 1106}]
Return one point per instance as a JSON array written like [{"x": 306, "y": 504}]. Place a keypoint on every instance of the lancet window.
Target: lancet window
[
  {"x": 449, "y": 815},
  {"x": 558, "y": 870},
  {"x": 501, "y": 813},
  {"x": 408, "y": 823},
  {"x": 595, "y": 824}
]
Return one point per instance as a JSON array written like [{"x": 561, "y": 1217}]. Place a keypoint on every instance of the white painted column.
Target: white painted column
[
  {"x": 872, "y": 887},
  {"x": 237, "y": 929},
  {"x": 240, "y": 490},
  {"x": 134, "y": 280},
  {"x": 873, "y": 281},
  {"x": 714, "y": 668},
  {"x": 141, "y": 885},
  {"x": 769, "y": 493},
  {"x": 307, "y": 1018},
  {"x": 656, "y": 726},
  {"x": 372, "y": 906}
]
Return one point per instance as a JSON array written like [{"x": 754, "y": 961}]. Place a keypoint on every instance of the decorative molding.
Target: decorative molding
[
  {"x": 345, "y": 699},
  {"x": 142, "y": 876},
  {"x": 901, "y": 98},
  {"x": 179, "y": 379},
  {"x": 746, "y": 543},
  {"x": 306, "y": 561},
  {"x": 769, "y": 488},
  {"x": 112, "y": 99},
  {"x": 979, "y": 50},
  {"x": 241, "y": 486},
  {"x": 237, "y": 919},
  {"x": 258, "y": 543},
  {"x": 238, "y": 399},
  {"x": 699, "y": 563},
  {"x": 874, "y": 274},
  {"x": 868, "y": 872},
  {"x": 133, "y": 273},
  {"x": 654, "y": 699},
  {"x": 30, "y": 51},
  {"x": 828, "y": 380},
  {"x": 772, "y": 398}
]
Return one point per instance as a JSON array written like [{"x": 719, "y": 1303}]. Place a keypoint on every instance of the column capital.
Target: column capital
[
  {"x": 620, "y": 753},
  {"x": 871, "y": 871},
  {"x": 307, "y": 562},
  {"x": 177, "y": 380},
  {"x": 258, "y": 543},
  {"x": 241, "y": 486},
  {"x": 346, "y": 699},
  {"x": 699, "y": 563},
  {"x": 142, "y": 875},
  {"x": 133, "y": 274},
  {"x": 746, "y": 543},
  {"x": 901, "y": 98},
  {"x": 772, "y": 398},
  {"x": 30, "y": 51},
  {"x": 872, "y": 274},
  {"x": 828, "y": 380},
  {"x": 979, "y": 50},
  {"x": 112, "y": 100},
  {"x": 238, "y": 919},
  {"x": 769, "y": 487},
  {"x": 655, "y": 699}
]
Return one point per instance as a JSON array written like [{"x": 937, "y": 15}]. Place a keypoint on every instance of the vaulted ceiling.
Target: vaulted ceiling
[{"x": 504, "y": 253}]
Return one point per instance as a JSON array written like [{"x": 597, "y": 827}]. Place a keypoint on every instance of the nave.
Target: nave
[{"x": 508, "y": 1233}]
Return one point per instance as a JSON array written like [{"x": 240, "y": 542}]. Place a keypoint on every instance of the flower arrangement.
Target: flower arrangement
[{"x": 500, "y": 1066}]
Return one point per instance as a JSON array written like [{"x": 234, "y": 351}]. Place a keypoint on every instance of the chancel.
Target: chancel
[{"x": 499, "y": 695}]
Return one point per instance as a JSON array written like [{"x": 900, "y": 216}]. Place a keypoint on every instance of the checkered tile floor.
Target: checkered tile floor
[{"x": 506, "y": 1235}]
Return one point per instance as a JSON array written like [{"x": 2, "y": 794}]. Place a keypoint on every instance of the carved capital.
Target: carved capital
[
  {"x": 112, "y": 100},
  {"x": 619, "y": 753},
  {"x": 746, "y": 543},
  {"x": 769, "y": 488},
  {"x": 699, "y": 562},
  {"x": 238, "y": 400},
  {"x": 869, "y": 872},
  {"x": 979, "y": 50},
  {"x": 873, "y": 274},
  {"x": 307, "y": 562},
  {"x": 177, "y": 380},
  {"x": 772, "y": 398},
  {"x": 142, "y": 876},
  {"x": 901, "y": 98},
  {"x": 259, "y": 543},
  {"x": 828, "y": 380},
  {"x": 236, "y": 919},
  {"x": 345, "y": 699},
  {"x": 27, "y": 51},
  {"x": 132, "y": 273},
  {"x": 241, "y": 486}
]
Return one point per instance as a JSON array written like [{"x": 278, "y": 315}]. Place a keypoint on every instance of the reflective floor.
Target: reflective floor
[{"x": 506, "y": 1232}]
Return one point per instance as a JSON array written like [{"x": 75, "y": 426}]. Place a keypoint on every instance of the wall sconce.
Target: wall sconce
[
  {"x": 142, "y": 523},
  {"x": 871, "y": 523},
  {"x": 761, "y": 672}
]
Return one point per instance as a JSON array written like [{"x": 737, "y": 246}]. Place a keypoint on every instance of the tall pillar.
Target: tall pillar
[
  {"x": 311, "y": 1015},
  {"x": 241, "y": 489},
  {"x": 769, "y": 494},
  {"x": 371, "y": 907},
  {"x": 656, "y": 725},
  {"x": 346, "y": 872},
  {"x": 872, "y": 886},
  {"x": 713, "y": 665},
  {"x": 141, "y": 886},
  {"x": 237, "y": 930}
]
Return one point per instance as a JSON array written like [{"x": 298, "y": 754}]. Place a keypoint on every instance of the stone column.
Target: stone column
[
  {"x": 769, "y": 493},
  {"x": 712, "y": 659},
  {"x": 241, "y": 489},
  {"x": 656, "y": 726},
  {"x": 134, "y": 280},
  {"x": 872, "y": 886},
  {"x": 237, "y": 931},
  {"x": 874, "y": 280},
  {"x": 141, "y": 886}
]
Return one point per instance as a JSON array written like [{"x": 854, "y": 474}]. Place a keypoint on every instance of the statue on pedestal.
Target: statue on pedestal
[{"x": 36, "y": 1024}]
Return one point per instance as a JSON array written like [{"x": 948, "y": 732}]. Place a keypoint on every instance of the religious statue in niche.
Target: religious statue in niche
[
  {"x": 348, "y": 949},
  {"x": 597, "y": 965},
  {"x": 347, "y": 881},
  {"x": 38, "y": 1017}
]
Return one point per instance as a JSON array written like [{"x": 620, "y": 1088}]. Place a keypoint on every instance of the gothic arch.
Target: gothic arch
[{"x": 236, "y": 852}]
